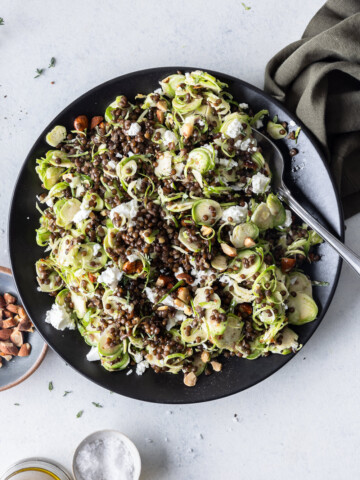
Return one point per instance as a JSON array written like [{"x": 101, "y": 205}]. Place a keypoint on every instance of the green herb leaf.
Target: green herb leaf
[
  {"x": 16, "y": 404},
  {"x": 2, "y": 21},
  {"x": 97, "y": 405},
  {"x": 39, "y": 71},
  {"x": 79, "y": 414},
  {"x": 275, "y": 119},
  {"x": 51, "y": 386},
  {"x": 52, "y": 62},
  {"x": 245, "y": 6},
  {"x": 297, "y": 133},
  {"x": 67, "y": 392}
]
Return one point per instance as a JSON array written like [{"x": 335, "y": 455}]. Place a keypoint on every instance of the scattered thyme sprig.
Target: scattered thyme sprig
[
  {"x": 51, "y": 386},
  {"x": 245, "y": 6},
  {"x": 39, "y": 72},
  {"x": 2, "y": 21}
]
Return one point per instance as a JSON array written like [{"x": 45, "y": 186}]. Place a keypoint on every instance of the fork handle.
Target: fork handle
[{"x": 348, "y": 255}]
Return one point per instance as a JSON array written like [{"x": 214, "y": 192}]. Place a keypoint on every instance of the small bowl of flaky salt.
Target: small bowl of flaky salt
[{"x": 107, "y": 455}]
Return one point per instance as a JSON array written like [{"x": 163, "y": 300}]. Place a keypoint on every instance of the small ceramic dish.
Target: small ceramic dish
[
  {"x": 19, "y": 369},
  {"x": 109, "y": 435}
]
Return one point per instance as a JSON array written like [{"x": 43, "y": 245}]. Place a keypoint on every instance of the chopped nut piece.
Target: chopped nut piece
[
  {"x": 2, "y": 302},
  {"x": 163, "y": 307},
  {"x": 249, "y": 242},
  {"x": 217, "y": 366},
  {"x": 287, "y": 264},
  {"x": 21, "y": 312},
  {"x": 25, "y": 350},
  {"x": 229, "y": 251},
  {"x": 160, "y": 116},
  {"x": 7, "y": 357},
  {"x": 5, "y": 334},
  {"x": 187, "y": 130},
  {"x": 12, "y": 308},
  {"x": 8, "y": 348},
  {"x": 188, "y": 310},
  {"x": 190, "y": 379},
  {"x": 25, "y": 325},
  {"x": 95, "y": 121},
  {"x": 81, "y": 123},
  {"x": 163, "y": 281},
  {"x": 205, "y": 357},
  {"x": 9, "y": 323},
  {"x": 9, "y": 298},
  {"x": 186, "y": 277},
  {"x": 184, "y": 294},
  {"x": 179, "y": 303},
  {"x": 133, "y": 267},
  {"x": 162, "y": 105},
  {"x": 206, "y": 231},
  {"x": 16, "y": 337}
]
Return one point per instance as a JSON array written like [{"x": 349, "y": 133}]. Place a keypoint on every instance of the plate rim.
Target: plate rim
[
  {"x": 260, "y": 92},
  {"x": 39, "y": 359}
]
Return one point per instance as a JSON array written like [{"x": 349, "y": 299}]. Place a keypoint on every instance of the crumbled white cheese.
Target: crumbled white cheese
[
  {"x": 129, "y": 372},
  {"x": 238, "y": 186},
  {"x": 96, "y": 249},
  {"x": 93, "y": 355},
  {"x": 243, "y": 105},
  {"x": 259, "y": 123},
  {"x": 292, "y": 123},
  {"x": 260, "y": 183},
  {"x": 159, "y": 91},
  {"x": 243, "y": 144},
  {"x": 141, "y": 367},
  {"x": 227, "y": 162},
  {"x": 112, "y": 164},
  {"x": 201, "y": 123},
  {"x": 199, "y": 275},
  {"x": 81, "y": 215},
  {"x": 59, "y": 318},
  {"x": 138, "y": 357},
  {"x": 234, "y": 128},
  {"x": 288, "y": 220},
  {"x": 128, "y": 210},
  {"x": 133, "y": 257},
  {"x": 150, "y": 294},
  {"x": 49, "y": 202},
  {"x": 134, "y": 130},
  {"x": 169, "y": 137},
  {"x": 179, "y": 272},
  {"x": 178, "y": 317},
  {"x": 118, "y": 155},
  {"x": 111, "y": 277},
  {"x": 236, "y": 212},
  {"x": 130, "y": 153}
]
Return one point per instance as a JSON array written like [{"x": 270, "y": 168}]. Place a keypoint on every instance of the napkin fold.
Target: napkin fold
[{"x": 318, "y": 78}]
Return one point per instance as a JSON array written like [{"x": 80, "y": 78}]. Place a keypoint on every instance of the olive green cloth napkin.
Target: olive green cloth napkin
[{"x": 318, "y": 78}]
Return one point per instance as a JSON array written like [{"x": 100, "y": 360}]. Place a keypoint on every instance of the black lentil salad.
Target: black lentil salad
[{"x": 166, "y": 246}]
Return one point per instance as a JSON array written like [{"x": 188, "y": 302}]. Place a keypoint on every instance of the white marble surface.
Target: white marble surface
[{"x": 301, "y": 423}]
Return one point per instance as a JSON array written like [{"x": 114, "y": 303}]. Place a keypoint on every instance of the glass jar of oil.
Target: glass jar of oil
[{"x": 36, "y": 469}]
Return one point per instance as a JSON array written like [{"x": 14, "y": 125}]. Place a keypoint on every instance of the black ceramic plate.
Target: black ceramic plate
[
  {"x": 308, "y": 176},
  {"x": 18, "y": 369}
]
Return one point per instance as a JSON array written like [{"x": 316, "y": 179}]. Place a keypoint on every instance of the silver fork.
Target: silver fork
[{"x": 276, "y": 163}]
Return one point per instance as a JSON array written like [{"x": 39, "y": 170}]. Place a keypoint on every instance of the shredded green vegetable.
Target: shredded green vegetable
[{"x": 164, "y": 244}]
